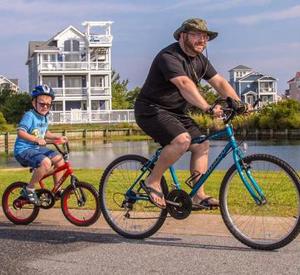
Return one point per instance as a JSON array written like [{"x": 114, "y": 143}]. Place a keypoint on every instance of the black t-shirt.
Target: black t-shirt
[{"x": 169, "y": 63}]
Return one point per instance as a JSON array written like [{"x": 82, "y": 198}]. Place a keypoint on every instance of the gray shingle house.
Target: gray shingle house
[{"x": 250, "y": 85}]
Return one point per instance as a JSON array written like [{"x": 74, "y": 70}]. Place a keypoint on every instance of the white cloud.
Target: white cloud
[{"x": 293, "y": 12}]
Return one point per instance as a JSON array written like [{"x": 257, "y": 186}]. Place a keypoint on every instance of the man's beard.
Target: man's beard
[{"x": 189, "y": 47}]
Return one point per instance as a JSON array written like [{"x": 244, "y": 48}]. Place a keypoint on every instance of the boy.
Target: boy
[{"x": 30, "y": 150}]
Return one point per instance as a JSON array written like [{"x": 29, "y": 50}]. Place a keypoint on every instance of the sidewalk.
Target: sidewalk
[{"x": 195, "y": 224}]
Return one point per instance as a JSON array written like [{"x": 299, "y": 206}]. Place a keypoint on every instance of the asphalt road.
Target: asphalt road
[{"x": 48, "y": 249}]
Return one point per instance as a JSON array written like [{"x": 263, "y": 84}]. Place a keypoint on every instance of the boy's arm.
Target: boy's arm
[
  {"x": 24, "y": 135},
  {"x": 52, "y": 136}
]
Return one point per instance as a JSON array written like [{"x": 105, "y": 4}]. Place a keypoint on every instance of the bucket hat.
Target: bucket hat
[{"x": 195, "y": 24}]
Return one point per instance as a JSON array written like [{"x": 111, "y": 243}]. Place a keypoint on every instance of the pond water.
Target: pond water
[{"x": 98, "y": 154}]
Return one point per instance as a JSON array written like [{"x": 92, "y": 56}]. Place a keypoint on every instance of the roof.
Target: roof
[
  {"x": 48, "y": 45},
  {"x": 294, "y": 78},
  {"x": 13, "y": 82},
  {"x": 267, "y": 78},
  {"x": 240, "y": 67},
  {"x": 251, "y": 77},
  {"x": 38, "y": 46}
]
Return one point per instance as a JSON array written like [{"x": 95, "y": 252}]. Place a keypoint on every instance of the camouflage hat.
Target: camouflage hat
[{"x": 194, "y": 24}]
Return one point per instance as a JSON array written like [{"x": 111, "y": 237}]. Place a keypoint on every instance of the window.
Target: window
[
  {"x": 67, "y": 46},
  {"x": 97, "y": 81},
  {"x": 53, "y": 81},
  {"x": 71, "y": 45},
  {"x": 73, "y": 81}
]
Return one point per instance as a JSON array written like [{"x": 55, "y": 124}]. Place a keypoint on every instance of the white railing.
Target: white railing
[
  {"x": 79, "y": 116},
  {"x": 100, "y": 39},
  {"x": 99, "y": 91},
  {"x": 70, "y": 91},
  {"x": 74, "y": 66}
]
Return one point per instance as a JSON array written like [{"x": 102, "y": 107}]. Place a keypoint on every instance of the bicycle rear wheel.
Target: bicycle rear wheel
[
  {"x": 270, "y": 225},
  {"x": 80, "y": 206},
  {"x": 16, "y": 208},
  {"x": 130, "y": 216}
]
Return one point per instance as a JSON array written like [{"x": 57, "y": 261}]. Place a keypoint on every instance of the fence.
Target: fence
[
  {"x": 7, "y": 139},
  {"x": 79, "y": 116}
]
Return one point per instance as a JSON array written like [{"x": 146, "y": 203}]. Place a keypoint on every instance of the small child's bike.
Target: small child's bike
[{"x": 79, "y": 200}]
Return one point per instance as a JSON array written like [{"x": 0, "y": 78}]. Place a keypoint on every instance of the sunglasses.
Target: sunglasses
[
  {"x": 43, "y": 105},
  {"x": 199, "y": 35}
]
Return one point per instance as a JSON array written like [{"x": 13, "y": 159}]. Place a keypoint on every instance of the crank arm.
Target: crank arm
[{"x": 173, "y": 203}]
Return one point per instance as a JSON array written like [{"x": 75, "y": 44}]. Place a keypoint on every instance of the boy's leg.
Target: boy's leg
[
  {"x": 39, "y": 172},
  {"x": 57, "y": 161}
]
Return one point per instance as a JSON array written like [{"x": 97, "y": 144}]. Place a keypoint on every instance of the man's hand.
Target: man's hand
[{"x": 217, "y": 111}]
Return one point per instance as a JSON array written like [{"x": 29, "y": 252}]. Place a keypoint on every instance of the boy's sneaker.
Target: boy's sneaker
[{"x": 31, "y": 196}]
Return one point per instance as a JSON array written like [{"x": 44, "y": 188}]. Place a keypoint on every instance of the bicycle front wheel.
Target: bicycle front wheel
[
  {"x": 272, "y": 224},
  {"x": 131, "y": 216},
  {"x": 80, "y": 205},
  {"x": 16, "y": 208}
]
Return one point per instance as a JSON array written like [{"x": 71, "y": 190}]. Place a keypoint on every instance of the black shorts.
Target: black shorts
[{"x": 162, "y": 125}]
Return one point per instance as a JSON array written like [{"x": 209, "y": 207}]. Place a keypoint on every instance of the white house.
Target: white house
[
  {"x": 11, "y": 84},
  {"x": 77, "y": 66}
]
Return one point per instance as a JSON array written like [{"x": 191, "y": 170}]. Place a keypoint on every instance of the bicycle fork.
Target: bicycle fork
[
  {"x": 250, "y": 183},
  {"x": 80, "y": 195}
]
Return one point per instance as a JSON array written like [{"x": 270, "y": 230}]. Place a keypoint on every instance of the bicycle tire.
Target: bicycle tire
[
  {"x": 10, "y": 195},
  {"x": 271, "y": 225},
  {"x": 74, "y": 211},
  {"x": 144, "y": 219}
]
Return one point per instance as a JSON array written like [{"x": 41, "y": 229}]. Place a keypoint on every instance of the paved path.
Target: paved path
[{"x": 195, "y": 224}]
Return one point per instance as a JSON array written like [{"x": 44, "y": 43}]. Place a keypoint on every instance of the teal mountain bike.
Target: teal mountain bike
[{"x": 259, "y": 194}]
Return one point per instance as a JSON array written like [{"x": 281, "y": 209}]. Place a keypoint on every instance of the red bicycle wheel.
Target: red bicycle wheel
[
  {"x": 17, "y": 209},
  {"x": 80, "y": 205}
]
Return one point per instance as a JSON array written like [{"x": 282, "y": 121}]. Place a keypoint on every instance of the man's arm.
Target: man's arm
[
  {"x": 190, "y": 92},
  {"x": 221, "y": 85}
]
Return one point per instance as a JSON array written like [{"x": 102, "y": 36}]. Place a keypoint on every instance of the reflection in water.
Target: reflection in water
[{"x": 99, "y": 153}]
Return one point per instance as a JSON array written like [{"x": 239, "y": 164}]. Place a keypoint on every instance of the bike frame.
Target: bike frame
[
  {"x": 68, "y": 172},
  {"x": 244, "y": 171}
]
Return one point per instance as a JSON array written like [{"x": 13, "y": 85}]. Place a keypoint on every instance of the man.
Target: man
[{"x": 160, "y": 108}]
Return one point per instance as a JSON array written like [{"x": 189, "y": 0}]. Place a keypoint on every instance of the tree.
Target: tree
[
  {"x": 119, "y": 92},
  {"x": 14, "y": 105},
  {"x": 132, "y": 95}
]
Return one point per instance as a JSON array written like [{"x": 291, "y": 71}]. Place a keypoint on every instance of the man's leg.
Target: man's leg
[
  {"x": 199, "y": 163},
  {"x": 169, "y": 155}
]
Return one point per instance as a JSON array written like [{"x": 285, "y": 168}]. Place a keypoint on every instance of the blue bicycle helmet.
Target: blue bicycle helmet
[{"x": 42, "y": 90}]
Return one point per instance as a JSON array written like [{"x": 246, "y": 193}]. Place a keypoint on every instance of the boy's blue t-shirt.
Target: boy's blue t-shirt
[{"x": 33, "y": 123}]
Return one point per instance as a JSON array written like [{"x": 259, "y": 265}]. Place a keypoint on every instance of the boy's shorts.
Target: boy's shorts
[{"x": 34, "y": 157}]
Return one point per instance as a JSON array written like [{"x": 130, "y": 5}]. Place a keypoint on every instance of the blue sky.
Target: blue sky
[{"x": 261, "y": 34}]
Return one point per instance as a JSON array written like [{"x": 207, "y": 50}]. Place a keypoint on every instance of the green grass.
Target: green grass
[{"x": 272, "y": 183}]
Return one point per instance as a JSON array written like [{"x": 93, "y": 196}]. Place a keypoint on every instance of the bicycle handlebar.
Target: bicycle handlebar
[
  {"x": 58, "y": 142},
  {"x": 233, "y": 108}
]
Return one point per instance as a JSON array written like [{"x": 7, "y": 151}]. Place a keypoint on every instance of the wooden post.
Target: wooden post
[
  {"x": 84, "y": 133},
  {"x": 6, "y": 144}
]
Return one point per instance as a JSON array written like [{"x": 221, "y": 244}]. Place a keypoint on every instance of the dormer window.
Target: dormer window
[{"x": 71, "y": 46}]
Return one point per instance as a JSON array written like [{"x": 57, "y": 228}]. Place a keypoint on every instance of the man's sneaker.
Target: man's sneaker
[{"x": 31, "y": 196}]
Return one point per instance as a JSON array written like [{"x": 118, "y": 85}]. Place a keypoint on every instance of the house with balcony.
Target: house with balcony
[
  {"x": 77, "y": 65},
  {"x": 251, "y": 85},
  {"x": 294, "y": 87},
  {"x": 10, "y": 84}
]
